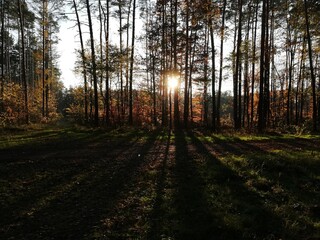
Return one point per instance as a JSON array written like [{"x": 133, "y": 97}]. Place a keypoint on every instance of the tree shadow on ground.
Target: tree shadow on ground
[
  {"x": 286, "y": 183},
  {"x": 138, "y": 186},
  {"x": 157, "y": 217},
  {"x": 70, "y": 200},
  {"x": 212, "y": 201}
]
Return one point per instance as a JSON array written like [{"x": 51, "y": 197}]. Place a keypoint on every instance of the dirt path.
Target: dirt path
[{"x": 156, "y": 186}]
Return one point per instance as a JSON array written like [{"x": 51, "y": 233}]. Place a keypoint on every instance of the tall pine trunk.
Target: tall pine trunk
[
  {"x": 83, "y": 62},
  {"x": 44, "y": 56},
  {"x": 213, "y": 76},
  {"x": 186, "y": 89},
  {"x": 2, "y": 79},
  {"x": 175, "y": 66},
  {"x": 261, "y": 107},
  {"x": 221, "y": 63},
  {"x": 94, "y": 67},
  {"x": 131, "y": 63},
  {"x": 313, "y": 78},
  {"x": 237, "y": 74},
  {"x": 23, "y": 68},
  {"x": 107, "y": 69},
  {"x": 254, "y": 34}
]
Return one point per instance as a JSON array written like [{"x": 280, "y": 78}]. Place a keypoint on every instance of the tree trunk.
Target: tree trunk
[
  {"x": 44, "y": 55},
  {"x": 186, "y": 76},
  {"x": 237, "y": 74},
  {"x": 313, "y": 78},
  {"x": 100, "y": 67},
  {"x": 262, "y": 118},
  {"x": 94, "y": 67},
  {"x": 131, "y": 64},
  {"x": 23, "y": 68},
  {"x": 107, "y": 94},
  {"x": 164, "y": 67},
  {"x": 245, "y": 114},
  {"x": 83, "y": 61},
  {"x": 205, "y": 76},
  {"x": 154, "y": 93},
  {"x": 122, "y": 110},
  {"x": 213, "y": 76},
  {"x": 221, "y": 63},
  {"x": 253, "y": 63},
  {"x": 2, "y": 79},
  {"x": 175, "y": 62}
]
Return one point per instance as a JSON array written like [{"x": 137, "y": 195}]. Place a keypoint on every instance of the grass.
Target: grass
[{"x": 79, "y": 183}]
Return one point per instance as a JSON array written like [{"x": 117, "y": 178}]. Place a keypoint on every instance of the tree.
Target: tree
[
  {"x": 45, "y": 58},
  {"x": 23, "y": 68},
  {"x": 254, "y": 38},
  {"x": 175, "y": 64},
  {"x": 237, "y": 73},
  {"x": 83, "y": 58},
  {"x": 2, "y": 79},
  {"x": 180, "y": 39},
  {"x": 313, "y": 79},
  {"x": 261, "y": 109},
  {"x": 213, "y": 67},
  {"x": 222, "y": 33},
  {"x": 186, "y": 76},
  {"x": 131, "y": 63},
  {"x": 94, "y": 66}
]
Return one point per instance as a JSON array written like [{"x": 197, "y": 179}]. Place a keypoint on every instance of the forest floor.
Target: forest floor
[{"x": 132, "y": 184}]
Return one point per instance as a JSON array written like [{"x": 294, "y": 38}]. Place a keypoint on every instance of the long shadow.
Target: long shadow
[
  {"x": 196, "y": 219},
  {"x": 258, "y": 155},
  {"x": 157, "y": 216},
  {"x": 297, "y": 177},
  {"x": 78, "y": 209},
  {"x": 36, "y": 176},
  {"x": 236, "y": 147},
  {"x": 238, "y": 213},
  {"x": 69, "y": 139},
  {"x": 290, "y": 183}
]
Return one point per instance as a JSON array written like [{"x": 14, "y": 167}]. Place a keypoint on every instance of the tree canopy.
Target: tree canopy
[{"x": 266, "y": 52}]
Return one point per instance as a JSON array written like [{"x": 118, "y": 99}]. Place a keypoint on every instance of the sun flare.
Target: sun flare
[{"x": 173, "y": 82}]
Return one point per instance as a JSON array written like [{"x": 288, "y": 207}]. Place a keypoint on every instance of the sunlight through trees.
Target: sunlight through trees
[{"x": 268, "y": 50}]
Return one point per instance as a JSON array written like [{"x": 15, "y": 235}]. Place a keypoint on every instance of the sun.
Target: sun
[{"x": 173, "y": 82}]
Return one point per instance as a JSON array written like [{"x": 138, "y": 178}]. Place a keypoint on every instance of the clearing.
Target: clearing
[{"x": 134, "y": 184}]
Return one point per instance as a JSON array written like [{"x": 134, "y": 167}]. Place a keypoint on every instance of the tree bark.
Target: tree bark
[
  {"x": 175, "y": 62},
  {"x": 44, "y": 56},
  {"x": 213, "y": 76},
  {"x": 221, "y": 63},
  {"x": 83, "y": 61},
  {"x": 186, "y": 76},
  {"x": 237, "y": 74},
  {"x": 313, "y": 78},
  {"x": 262, "y": 117},
  {"x": 23, "y": 68},
  {"x": 131, "y": 63},
  {"x": 2, "y": 56},
  {"x": 107, "y": 68},
  {"x": 253, "y": 63},
  {"x": 94, "y": 67}
]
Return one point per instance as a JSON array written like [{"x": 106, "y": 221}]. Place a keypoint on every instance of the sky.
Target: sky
[
  {"x": 67, "y": 46},
  {"x": 66, "y": 49}
]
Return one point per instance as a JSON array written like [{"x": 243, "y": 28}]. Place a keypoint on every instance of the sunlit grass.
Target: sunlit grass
[
  {"x": 283, "y": 176},
  {"x": 285, "y": 179},
  {"x": 234, "y": 185},
  {"x": 235, "y": 136}
]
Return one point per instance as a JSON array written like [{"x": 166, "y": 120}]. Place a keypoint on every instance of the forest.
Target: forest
[
  {"x": 265, "y": 53},
  {"x": 192, "y": 120}
]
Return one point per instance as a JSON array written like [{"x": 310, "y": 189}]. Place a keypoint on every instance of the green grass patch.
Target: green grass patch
[{"x": 83, "y": 183}]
